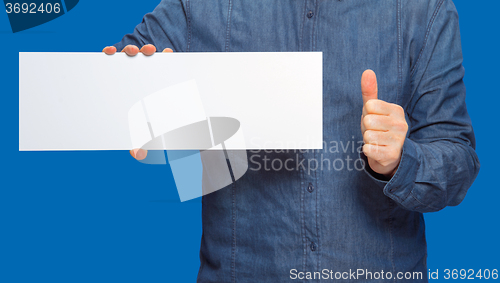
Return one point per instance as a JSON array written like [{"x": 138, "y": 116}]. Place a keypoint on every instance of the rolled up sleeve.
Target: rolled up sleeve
[{"x": 439, "y": 162}]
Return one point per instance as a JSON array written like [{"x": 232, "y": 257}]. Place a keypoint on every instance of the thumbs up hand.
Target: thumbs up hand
[{"x": 383, "y": 126}]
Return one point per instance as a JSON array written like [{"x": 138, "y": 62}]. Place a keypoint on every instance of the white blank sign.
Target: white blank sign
[{"x": 81, "y": 101}]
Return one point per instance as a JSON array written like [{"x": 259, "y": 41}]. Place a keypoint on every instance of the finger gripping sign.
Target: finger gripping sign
[
  {"x": 174, "y": 118},
  {"x": 26, "y": 14}
]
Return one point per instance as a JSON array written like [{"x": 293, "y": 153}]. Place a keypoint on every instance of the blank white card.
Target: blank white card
[{"x": 84, "y": 101}]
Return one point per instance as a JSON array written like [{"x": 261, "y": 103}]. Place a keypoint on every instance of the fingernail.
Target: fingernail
[{"x": 140, "y": 154}]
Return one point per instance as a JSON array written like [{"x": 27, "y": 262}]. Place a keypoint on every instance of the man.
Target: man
[{"x": 323, "y": 219}]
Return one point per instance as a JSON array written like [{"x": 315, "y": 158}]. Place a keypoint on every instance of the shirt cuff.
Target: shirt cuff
[{"x": 400, "y": 186}]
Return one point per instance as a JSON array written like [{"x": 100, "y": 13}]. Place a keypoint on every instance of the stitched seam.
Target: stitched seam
[
  {"x": 301, "y": 47},
  {"x": 391, "y": 206},
  {"x": 431, "y": 23},
  {"x": 233, "y": 248},
  {"x": 228, "y": 27},
  {"x": 400, "y": 53},
  {"x": 313, "y": 37},
  {"x": 317, "y": 212},
  {"x": 188, "y": 10},
  {"x": 303, "y": 228}
]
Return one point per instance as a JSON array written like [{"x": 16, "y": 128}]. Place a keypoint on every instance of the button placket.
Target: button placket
[{"x": 309, "y": 185}]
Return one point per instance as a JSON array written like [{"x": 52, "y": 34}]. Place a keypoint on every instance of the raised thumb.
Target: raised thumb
[{"x": 369, "y": 88}]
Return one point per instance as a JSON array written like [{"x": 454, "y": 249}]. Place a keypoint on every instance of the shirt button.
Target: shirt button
[
  {"x": 310, "y": 14},
  {"x": 310, "y": 188},
  {"x": 313, "y": 246}
]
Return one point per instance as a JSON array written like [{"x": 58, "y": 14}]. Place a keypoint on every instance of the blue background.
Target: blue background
[{"x": 103, "y": 217}]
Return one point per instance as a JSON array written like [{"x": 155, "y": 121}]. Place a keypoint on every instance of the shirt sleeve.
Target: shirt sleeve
[
  {"x": 439, "y": 162},
  {"x": 165, "y": 27}
]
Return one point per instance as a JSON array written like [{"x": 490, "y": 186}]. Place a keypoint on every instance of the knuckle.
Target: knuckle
[
  {"x": 368, "y": 121},
  {"x": 374, "y": 105},
  {"x": 401, "y": 110},
  {"x": 364, "y": 122},
  {"x": 371, "y": 136},
  {"x": 367, "y": 136},
  {"x": 403, "y": 126},
  {"x": 380, "y": 154},
  {"x": 370, "y": 105},
  {"x": 373, "y": 152},
  {"x": 397, "y": 108},
  {"x": 366, "y": 149},
  {"x": 399, "y": 126}
]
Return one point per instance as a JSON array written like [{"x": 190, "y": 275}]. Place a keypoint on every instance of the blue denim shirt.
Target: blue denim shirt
[{"x": 273, "y": 224}]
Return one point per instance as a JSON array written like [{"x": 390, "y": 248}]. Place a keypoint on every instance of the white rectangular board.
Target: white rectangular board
[{"x": 81, "y": 101}]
